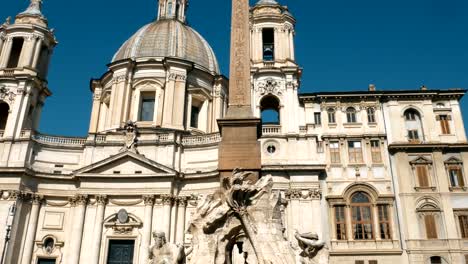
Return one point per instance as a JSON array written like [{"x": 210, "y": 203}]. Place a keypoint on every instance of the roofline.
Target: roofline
[{"x": 457, "y": 92}]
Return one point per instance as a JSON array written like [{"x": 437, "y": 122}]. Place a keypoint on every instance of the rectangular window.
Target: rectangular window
[
  {"x": 362, "y": 222},
  {"x": 147, "y": 107},
  {"x": 373, "y": 262},
  {"x": 340, "y": 222},
  {"x": 335, "y": 152},
  {"x": 371, "y": 115},
  {"x": 331, "y": 116},
  {"x": 413, "y": 135},
  {"x": 46, "y": 261},
  {"x": 376, "y": 152},
  {"x": 456, "y": 177},
  {"x": 268, "y": 36},
  {"x": 355, "y": 151},
  {"x": 359, "y": 262},
  {"x": 422, "y": 175},
  {"x": 444, "y": 124},
  {"x": 16, "y": 48},
  {"x": 194, "y": 116},
  {"x": 384, "y": 222},
  {"x": 318, "y": 118},
  {"x": 463, "y": 220},
  {"x": 431, "y": 231},
  {"x": 466, "y": 259}
]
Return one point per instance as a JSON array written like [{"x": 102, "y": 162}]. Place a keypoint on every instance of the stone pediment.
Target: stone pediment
[{"x": 125, "y": 164}]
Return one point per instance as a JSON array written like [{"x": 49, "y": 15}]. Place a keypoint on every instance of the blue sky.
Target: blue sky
[{"x": 341, "y": 44}]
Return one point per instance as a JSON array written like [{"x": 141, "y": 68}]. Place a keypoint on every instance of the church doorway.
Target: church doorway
[{"x": 121, "y": 252}]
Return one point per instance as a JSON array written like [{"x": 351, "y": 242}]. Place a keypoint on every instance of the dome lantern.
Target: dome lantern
[{"x": 172, "y": 9}]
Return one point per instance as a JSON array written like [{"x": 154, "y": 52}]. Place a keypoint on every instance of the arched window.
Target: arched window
[
  {"x": 270, "y": 107},
  {"x": 431, "y": 218},
  {"x": 4, "y": 112},
  {"x": 413, "y": 126},
  {"x": 169, "y": 8},
  {"x": 361, "y": 211},
  {"x": 15, "y": 53},
  {"x": 331, "y": 116},
  {"x": 371, "y": 115},
  {"x": 351, "y": 115}
]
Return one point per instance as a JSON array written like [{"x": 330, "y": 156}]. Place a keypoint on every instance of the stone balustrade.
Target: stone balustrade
[
  {"x": 55, "y": 140},
  {"x": 271, "y": 129},
  {"x": 201, "y": 140}
]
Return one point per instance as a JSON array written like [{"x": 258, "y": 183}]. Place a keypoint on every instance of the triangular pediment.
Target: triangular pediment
[
  {"x": 453, "y": 160},
  {"x": 125, "y": 164},
  {"x": 421, "y": 160}
]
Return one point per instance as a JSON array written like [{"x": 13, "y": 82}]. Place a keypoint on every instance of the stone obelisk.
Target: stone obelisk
[{"x": 240, "y": 130}]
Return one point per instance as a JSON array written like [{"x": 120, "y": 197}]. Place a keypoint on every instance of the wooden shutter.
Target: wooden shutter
[
  {"x": 373, "y": 262},
  {"x": 461, "y": 181},
  {"x": 466, "y": 259},
  {"x": 423, "y": 179},
  {"x": 463, "y": 220},
  {"x": 431, "y": 231},
  {"x": 359, "y": 262}
]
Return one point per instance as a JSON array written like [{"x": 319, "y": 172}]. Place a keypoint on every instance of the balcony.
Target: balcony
[{"x": 271, "y": 130}]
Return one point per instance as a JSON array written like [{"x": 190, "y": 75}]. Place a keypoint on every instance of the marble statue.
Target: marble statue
[{"x": 165, "y": 253}]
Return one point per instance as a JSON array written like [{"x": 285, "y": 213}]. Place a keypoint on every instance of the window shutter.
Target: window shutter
[
  {"x": 466, "y": 259},
  {"x": 438, "y": 117},
  {"x": 431, "y": 231},
  {"x": 421, "y": 172},
  {"x": 461, "y": 181},
  {"x": 373, "y": 262},
  {"x": 359, "y": 262},
  {"x": 449, "y": 117}
]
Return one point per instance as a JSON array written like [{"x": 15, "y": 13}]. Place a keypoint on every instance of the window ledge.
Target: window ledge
[
  {"x": 458, "y": 189},
  {"x": 425, "y": 189},
  {"x": 352, "y": 124}
]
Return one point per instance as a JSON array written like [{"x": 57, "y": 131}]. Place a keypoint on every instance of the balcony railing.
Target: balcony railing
[
  {"x": 271, "y": 129},
  {"x": 60, "y": 141},
  {"x": 201, "y": 140}
]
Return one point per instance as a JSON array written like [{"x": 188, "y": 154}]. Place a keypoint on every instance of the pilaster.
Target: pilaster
[{"x": 79, "y": 203}]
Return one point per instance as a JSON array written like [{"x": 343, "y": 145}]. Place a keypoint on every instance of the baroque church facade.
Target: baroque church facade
[{"x": 379, "y": 176}]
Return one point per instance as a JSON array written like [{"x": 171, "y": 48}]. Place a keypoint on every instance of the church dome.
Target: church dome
[{"x": 169, "y": 38}]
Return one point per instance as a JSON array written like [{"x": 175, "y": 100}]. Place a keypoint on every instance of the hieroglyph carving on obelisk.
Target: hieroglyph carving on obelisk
[{"x": 239, "y": 86}]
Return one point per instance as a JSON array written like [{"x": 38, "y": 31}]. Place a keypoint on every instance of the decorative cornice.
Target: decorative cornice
[{"x": 298, "y": 194}]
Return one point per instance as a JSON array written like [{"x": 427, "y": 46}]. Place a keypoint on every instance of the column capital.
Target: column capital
[
  {"x": 148, "y": 199},
  {"x": 182, "y": 201},
  {"x": 101, "y": 199},
  {"x": 167, "y": 199},
  {"x": 36, "y": 199},
  {"x": 79, "y": 199}
]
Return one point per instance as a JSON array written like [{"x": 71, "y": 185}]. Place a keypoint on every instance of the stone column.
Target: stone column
[
  {"x": 101, "y": 201},
  {"x": 2, "y": 41},
  {"x": 6, "y": 51},
  {"x": 147, "y": 224},
  {"x": 182, "y": 201},
  {"x": 37, "y": 52},
  {"x": 96, "y": 110},
  {"x": 28, "y": 51},
  {"x": 167, "y": 204},
  {"x": 79, "y": 202},
  {"x": 31, "y": 231},
  {"x": 349, "y": 226},
  {"x": 375, "y": 220},
  {"x": 189, "y": 110}
]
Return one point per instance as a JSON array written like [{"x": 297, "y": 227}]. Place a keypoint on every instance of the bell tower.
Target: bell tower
[
  {"x": 173, "y": 9},
  {"x": 275, "y": 73},
  {"x": 25, "y": 50}
]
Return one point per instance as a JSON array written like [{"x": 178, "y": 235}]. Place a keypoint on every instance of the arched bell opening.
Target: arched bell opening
[{"x": 270, "y": 110}]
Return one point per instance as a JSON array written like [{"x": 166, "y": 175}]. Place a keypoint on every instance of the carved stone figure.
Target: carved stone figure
[
  {"x": 309, "y": 243},
  {"x": 131, "y": 136},
  {"x": 165, "y": 253}
]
